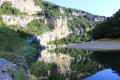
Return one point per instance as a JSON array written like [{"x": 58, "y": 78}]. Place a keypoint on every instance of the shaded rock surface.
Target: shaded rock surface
[{"x": 4, "y": 66}]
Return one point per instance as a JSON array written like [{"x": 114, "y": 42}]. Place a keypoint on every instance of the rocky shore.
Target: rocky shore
[{"x": 4, "y": 66}]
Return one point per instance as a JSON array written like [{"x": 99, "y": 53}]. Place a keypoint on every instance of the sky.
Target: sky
[{"x": 98, "y": 7}]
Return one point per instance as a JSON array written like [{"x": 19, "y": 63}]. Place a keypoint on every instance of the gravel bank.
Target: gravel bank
[{"x": 97, "y": 46}]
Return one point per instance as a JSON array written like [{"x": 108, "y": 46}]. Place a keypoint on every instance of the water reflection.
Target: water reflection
[
  {"x": 72, "y": 64},
  {"x": 63, "y": 61},
  {"x": 108, "y": 59},
  {"x": 76, "y": 64}
]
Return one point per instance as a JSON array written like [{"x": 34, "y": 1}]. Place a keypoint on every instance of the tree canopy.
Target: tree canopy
[{"x": 109, "y": 28}]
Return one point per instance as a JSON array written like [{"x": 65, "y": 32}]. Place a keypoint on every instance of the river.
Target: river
[{"x": 76, "y": 64}]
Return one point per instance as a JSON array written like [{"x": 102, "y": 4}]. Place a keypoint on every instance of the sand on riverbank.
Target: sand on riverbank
[{"x": 98, "y": 45}]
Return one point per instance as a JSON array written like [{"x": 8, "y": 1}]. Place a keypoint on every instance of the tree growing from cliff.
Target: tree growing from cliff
[{"x": 6, "y": 5}]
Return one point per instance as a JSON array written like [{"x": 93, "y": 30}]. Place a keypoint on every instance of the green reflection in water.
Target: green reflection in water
[
  {"x": 108, "y": 59},
  {"x": 84, "y": 64}
]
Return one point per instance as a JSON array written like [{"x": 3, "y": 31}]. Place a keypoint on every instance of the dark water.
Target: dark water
[{"x": 75, "y": 64}]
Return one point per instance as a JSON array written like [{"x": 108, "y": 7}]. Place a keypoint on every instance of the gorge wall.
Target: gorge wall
[
  {"x": 19, "y": 20},
  {"x": 61, "y": 30},
  {"x": 60, "y": 26},
  {"x": 60, "y": 23},
  {"x": 24, "y": 6}
]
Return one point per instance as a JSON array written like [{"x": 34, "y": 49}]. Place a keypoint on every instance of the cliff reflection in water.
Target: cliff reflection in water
[{"x": 72, "y": 64}]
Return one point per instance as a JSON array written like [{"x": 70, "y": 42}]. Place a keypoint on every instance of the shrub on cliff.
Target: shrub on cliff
[
  {"x": 6, "y": 8},
  {"x": 19, "y": 74},
  {"x": 9, "y": 39},
  {"x": 37, "y": 27},
  {"x": 6, "y": 4},
  {"x": 73, "y": 39}
]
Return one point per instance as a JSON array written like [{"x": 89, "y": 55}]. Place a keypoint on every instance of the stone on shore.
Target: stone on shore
[{"x": 4, "y": 66}]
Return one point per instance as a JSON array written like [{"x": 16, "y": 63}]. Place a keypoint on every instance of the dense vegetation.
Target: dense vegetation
[
  {"x": 6, "y": 8},
  {"x": 109, "y": 28},
  {"x": 72, "y": 52},
  {"x": 15, "y": 40},
  {"x": 37, "y": 27},
  {"x": 14, "y": 43},
  {"x": 49, "y": 9},
  {"x": 73, "y": 39},
  {"x": 40, "y": 69},
  {"x": 81, "y": 24},
  {"x": 18, "y": 75},
  {"x": 81, "y": 63}
]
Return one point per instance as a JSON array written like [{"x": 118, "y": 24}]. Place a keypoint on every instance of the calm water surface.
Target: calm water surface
[{"x": 74, "y": 64}]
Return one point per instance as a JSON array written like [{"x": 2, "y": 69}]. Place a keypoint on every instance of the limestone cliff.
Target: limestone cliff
[
  {"x": 60, "y": 26},
  {"x": 61, "y": 30},
  {"x": 19, "y": 20},
  {"x": 24, "y": 6},
  {"x": 59, "y": 21}
]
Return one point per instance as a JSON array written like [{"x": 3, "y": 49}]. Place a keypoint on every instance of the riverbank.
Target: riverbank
[{"x": 98, "y": 45}]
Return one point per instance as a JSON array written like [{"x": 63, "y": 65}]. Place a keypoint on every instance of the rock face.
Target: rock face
[
  {"x": 63, "y": 61},
  {"x": 24, "y": 6},
  {"x": 61, "y": 10},
  {"x": 78, "y": 14},
  {"x": 61, "y": 30},
  {"x": 19, "y": 20},
  {"x": 4, "y": 66}
]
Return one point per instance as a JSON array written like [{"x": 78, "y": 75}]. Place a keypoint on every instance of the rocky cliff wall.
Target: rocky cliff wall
[
  {"x": 19, "y": 20},
  {"x": 60, "y": 26},
  {"x": 24, "y": 6},
  {"x": 61, "y": 30}
]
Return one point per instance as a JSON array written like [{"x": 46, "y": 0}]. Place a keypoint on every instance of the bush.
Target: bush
[
  {"x": 73, "y": 39},
  {"x": 37, "y": 27},
  {"x": 108, "y": 29},
  {"x": 19, "y": 74},
  {"x": 41, "y": 68},
  {"x": 9, "y": 40},
  {"x": 6, "y": 5},
  {"x": 80, "y": 23},
  {"x": 6, "y": 8},
  {"x": 70, "y": 52},
  {"x": 38, "y": 69}
]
